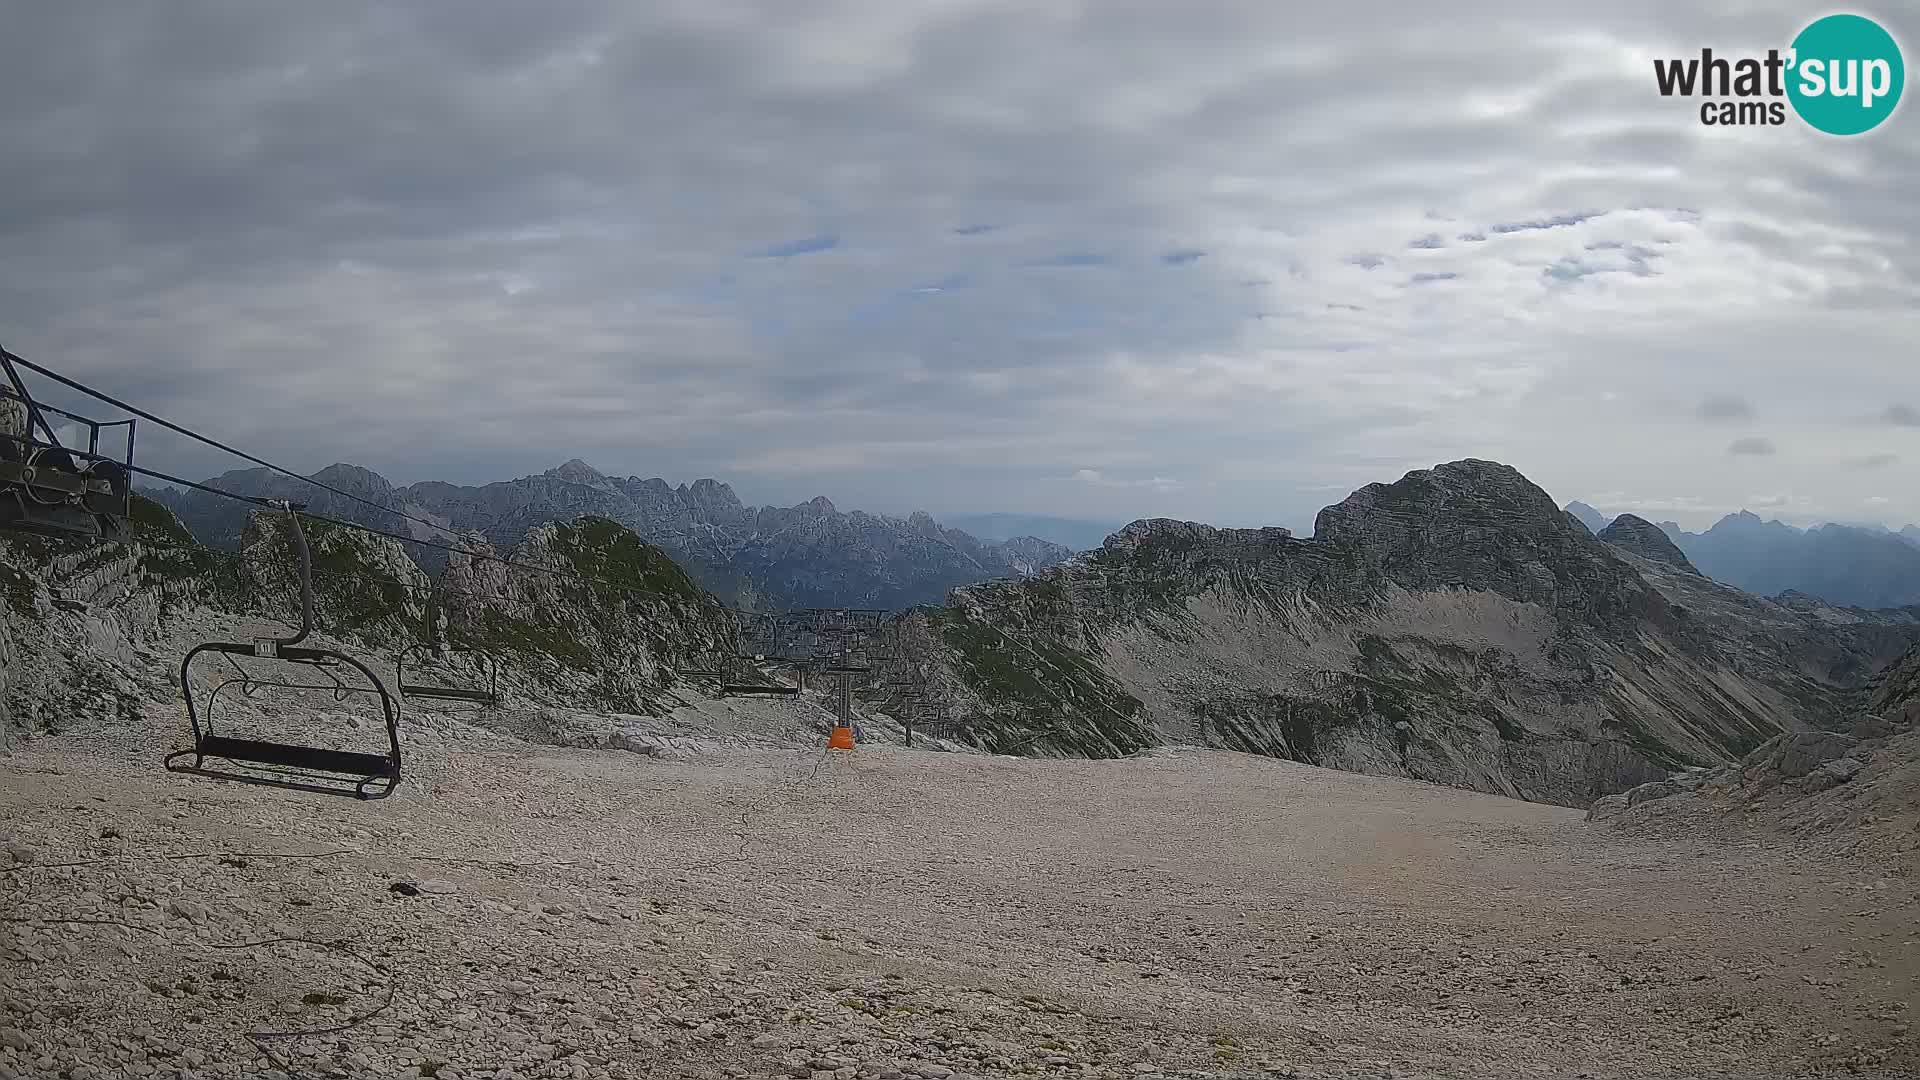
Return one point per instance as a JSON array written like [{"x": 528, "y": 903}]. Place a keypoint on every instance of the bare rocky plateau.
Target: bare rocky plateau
[{"x": 517, "y": 911}]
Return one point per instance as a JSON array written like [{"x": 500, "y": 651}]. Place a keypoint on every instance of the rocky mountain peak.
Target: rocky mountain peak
[
  {"x": 360, "y": 481},
  {"x": 576, "y": 471},
  {"x": 712, "y": 495},
  {"x": 1455, "y": 626},
  {"x": 1641, "y": 537},
  {"x": 1746, "y": 521},
  {"x": 1593, "y": 519},
  {"x": 1469, "y": 493},
  {"x": 1481, "y": 525},
  {"x": 1138, "y": 534}
]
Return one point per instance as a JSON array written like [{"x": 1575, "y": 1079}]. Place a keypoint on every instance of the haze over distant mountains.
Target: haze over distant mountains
[
  {"x": 809, "y": 555},
  {"x": 1850, "y": 565},
  {"x": 1071, "y": 532}
]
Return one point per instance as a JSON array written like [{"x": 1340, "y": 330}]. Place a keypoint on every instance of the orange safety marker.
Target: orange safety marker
[{"x": 841, "y": 739}]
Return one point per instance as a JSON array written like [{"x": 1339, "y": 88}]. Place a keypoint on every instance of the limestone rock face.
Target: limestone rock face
[
  {"x": 93, "y": 635},
  {"x": 1876, "y": 756},
  {"x": 75, "y": 619},
  {"x": 1645, "y": 539},
  {"x": 589, "y": 646},
  {"x": 1454, "y": 626}
]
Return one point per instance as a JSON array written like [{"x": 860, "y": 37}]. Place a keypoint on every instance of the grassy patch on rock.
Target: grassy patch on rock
[{"x": 1040, "y": 692}]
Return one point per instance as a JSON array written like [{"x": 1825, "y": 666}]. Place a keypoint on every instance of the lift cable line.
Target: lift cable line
[
  {"x": 344, "y": 523},
  {"x": 346, "y": 575},
  {"x": 216, "y": 444},
  {"x": 267, "y": 503}
]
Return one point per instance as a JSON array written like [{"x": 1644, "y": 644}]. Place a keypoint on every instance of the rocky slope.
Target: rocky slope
[
  {"x": 589, "y": 645},
  {"x": 95, "y": 634},
  {"x": 810, "y": 555},
  {"x": 77, "y": 616},
  {"x": 1854, "y": 785},
  {"x": 1455, "y": 626}
]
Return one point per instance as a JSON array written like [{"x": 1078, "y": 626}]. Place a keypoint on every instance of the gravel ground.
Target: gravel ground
[{"x": 546, "y": 912}]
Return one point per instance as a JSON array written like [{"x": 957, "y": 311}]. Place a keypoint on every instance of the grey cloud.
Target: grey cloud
[
  {"x": 1752, "y": 445},
  {"x": 1721, "y": 407},
  {"x": 1073, "y": 260},
  {"x": 1902, "y": 416},
  {"x": 1871, "y": 461},
  {"x": 807, "y": 246},
  {"x": 487, "y": 237}
]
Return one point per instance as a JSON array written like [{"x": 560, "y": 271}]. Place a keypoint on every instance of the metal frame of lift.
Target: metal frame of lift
[
  {"x": 52, "y": 489},
  {"x": 301, "y": 768},
  {"x": 486, "y": 696}
]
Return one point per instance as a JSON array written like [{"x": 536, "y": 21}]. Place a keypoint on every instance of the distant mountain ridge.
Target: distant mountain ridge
[
  {"x": 808, "y": 555},
  {"x": 1845, "y": 565},
  {"x": 1454, "y": 626},
  {"x": 1070, "y": 532}
]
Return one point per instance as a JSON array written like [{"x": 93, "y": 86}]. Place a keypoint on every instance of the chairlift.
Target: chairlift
[
  {"x": 448, "y": 673},
  {"x": 759, "y": 689},
  {"x": 711, "y": 668},
  {"x": 242, "y": 670},
  {"x": 49, "y": 488}
]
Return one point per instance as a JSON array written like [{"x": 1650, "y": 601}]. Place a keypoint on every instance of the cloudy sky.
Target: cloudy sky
[{"x": 1109, "y": 259}]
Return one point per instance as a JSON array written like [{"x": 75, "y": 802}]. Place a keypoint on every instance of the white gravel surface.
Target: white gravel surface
[{"x": 893, "y": 913}]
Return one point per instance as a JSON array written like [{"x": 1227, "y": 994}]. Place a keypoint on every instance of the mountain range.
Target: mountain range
[
  {"x": 1454, "y": 626},
  {"x": 809, "y": 555},
  {"x": 1849, "y": 565}
]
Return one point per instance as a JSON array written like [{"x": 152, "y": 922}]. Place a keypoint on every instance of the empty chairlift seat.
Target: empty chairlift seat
[
  {"x": 448, "y": 673},
  {"x": 276, "y": 713}
]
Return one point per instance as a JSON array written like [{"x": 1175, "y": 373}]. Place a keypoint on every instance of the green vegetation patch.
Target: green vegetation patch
[
  {"x": 1047, "y": 693},
  {"x": 498, "y": 632},
  {"x": 602, "y": 548}
]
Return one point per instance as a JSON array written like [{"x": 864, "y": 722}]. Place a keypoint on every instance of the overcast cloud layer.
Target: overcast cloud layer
[{"x": 1223, "y": 261}]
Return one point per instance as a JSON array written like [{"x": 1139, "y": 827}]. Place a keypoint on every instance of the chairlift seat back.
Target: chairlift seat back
[
  {"x": 248, "y": 668},
  {"x": 483, "y": 687}
]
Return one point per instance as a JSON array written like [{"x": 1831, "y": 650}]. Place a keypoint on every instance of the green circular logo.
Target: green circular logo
[{"x": 1846, "y": 76}]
